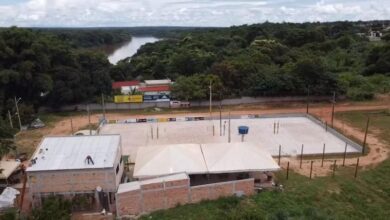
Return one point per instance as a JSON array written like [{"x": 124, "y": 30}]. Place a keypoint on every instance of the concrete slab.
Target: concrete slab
[{"x": 293, "y": 132}]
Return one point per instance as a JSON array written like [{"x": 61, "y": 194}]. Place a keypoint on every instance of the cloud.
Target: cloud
[{"x": 184, "y": 12}]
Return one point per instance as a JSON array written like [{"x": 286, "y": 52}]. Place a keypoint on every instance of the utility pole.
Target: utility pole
[
  {"x": 211, "y": 99},
  {"x": 89, "y": 120},
  {"x": 365, "y": 135},
  {"x": 229, "y": 129},
  {"x": 333, "y": 105},
  {"x": 307, "y": 100},
  {"x": 17, "y": 112},
  {"x": 220, "y": 118},
  {"x": 71, "y": 125},
  {"x": 104, "y": 108},
  {"x": 10, "y": 119}
]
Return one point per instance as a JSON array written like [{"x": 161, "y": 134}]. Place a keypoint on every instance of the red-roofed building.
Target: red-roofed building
[
  {"x": 157, "y": 89},
  {"x": 126, "y": 86}
]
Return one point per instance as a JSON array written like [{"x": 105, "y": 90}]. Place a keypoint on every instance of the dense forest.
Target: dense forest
[
  {"x": 51, "y": 67},
  {"x": 89, "y": 37},
  {"x": 268, "y": 60}
]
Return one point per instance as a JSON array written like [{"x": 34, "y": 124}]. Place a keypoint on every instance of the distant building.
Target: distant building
[
  {"x": 159, "y": 82},
  {"x": 156, "y": 90},
  {"x": 78, "y": 168},
  {"x": 126, "y": 87}
]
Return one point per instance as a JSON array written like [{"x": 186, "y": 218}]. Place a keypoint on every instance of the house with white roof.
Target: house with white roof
[{"x": 79, "y": 168}]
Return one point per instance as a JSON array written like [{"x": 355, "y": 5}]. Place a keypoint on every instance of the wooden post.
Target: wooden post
[
  {"x": 157, "y": 132},
  {"x": 334, "y": 168},
  {"x": 288, "y": 168},
  {"x": 280, "y": 151},
  {"x": 213, "y": 130},
  {"x": 345, "y": 153},
  {"x": 357, "y": 167},
  {"x": 311, "y": 168},
  {"x": 277, "y": 129},
  {"x": 300, "y": 164},
  {"x": 229, "y": 135},
  {"x": 326, "y": 126},
  {"x": 333, "y": 105},
  {"x": 151, "y": 131},
  {"x": 323, "y": 156},
  {"x": 365, "y": 135}
]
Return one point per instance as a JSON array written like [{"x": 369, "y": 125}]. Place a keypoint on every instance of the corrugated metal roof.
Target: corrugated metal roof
[
  {"x": 155, "y": 89},
  {"x": 7, "y": 168},
  {"x": 118, "y": 85},
  {"x": 158, "y": 82},
  {"x": 68, "y": 153}
]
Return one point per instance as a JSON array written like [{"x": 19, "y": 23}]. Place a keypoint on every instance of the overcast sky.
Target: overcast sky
[{"x": 90, "y": 13}]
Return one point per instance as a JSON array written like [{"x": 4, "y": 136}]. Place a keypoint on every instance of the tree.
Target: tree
[
  {"x": 53, "y": 207},
  {"x": 196, "y": 87},
  {"x": 6, "y": 138}
]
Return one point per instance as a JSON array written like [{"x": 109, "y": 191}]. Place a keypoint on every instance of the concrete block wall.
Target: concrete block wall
[
  {"x": 163, "y": 195},
  {"x": 72, "y": 181}
]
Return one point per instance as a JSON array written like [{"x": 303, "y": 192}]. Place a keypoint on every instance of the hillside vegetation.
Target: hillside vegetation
[
  {"x": 51, "y": 67},
  {"x": 268, "y": 60}
]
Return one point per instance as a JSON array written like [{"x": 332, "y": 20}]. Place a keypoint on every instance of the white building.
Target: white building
[{"x": 77, "y": 167}]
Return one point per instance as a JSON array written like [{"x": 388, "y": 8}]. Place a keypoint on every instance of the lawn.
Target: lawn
[{"x": 341, "y": 197}]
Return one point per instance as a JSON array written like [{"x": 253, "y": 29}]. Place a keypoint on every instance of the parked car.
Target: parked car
[{"x": 179, "y": 104}]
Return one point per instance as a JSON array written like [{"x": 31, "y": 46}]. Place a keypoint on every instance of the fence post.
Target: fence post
[
  {"x": 288, "y": 168},
  {"x": 345, "y": 153},
  {"x": 357, "y": 167},
  {"x": 311, "y": 168},
  {"x": 365, "y": 135},
  {"x": 334, "y": 168},
  {"x": 280, "y": 149},
  {"x": 300, "y": 164},
  {"x": 323, "y": 156}
]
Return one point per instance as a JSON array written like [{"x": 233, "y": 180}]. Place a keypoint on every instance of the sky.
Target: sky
[{"x": 118, "y": 13}]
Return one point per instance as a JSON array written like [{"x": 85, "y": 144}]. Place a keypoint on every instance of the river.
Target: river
[{"x": 130, "y": 48}]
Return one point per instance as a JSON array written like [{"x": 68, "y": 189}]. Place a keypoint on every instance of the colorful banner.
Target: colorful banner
[{"x": 128, "y": 99}]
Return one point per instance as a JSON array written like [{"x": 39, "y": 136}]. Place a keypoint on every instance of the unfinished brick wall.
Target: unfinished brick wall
[
  {"x": 72, "y": 181},
  {"x": 152, "y": 197},
  {"x": 163, "y": 195}
]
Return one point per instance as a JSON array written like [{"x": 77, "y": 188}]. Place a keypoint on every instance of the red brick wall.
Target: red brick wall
[{"x": 163, "y": 195}]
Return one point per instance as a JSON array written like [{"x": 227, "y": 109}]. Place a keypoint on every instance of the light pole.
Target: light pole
[
  {"x": 17, "y": 112},
  {"x": 211, "y": 98}
]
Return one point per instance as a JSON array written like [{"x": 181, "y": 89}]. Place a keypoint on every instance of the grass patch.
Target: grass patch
[{"x": 341, "y": 197}]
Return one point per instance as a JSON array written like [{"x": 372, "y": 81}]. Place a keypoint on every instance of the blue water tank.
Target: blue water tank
[{"x": 243, "y": 129}]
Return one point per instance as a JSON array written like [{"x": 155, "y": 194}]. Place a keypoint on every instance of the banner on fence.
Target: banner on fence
[{"x": 128, "y": 99}]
